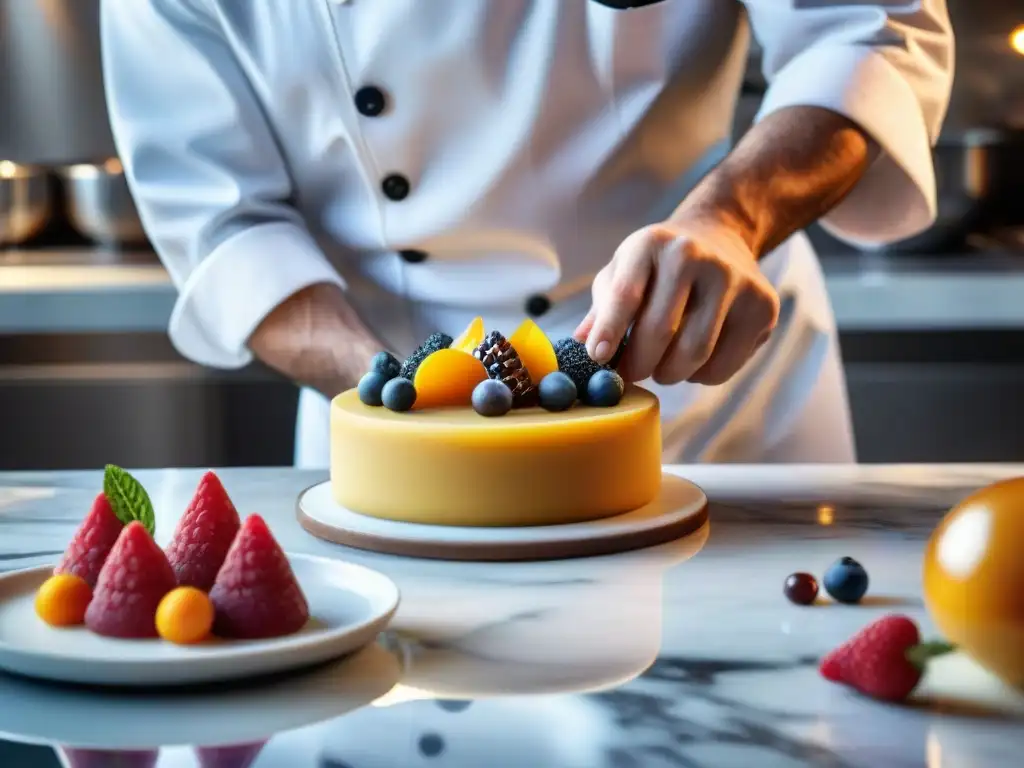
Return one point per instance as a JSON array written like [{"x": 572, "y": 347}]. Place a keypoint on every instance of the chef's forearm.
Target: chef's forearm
[
  {"x": 316, "y": 339},
  {"x": 789, "y": 170}
]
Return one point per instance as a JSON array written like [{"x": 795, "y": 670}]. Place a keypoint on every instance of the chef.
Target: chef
[{"x": 327, "y": 178}]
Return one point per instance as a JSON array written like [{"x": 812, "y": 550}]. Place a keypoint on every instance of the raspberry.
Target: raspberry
[
  {"x": 134, "y": 580},
  {"x": 204, "y": 535},
  {"x": 234, "y": 756},
  {"x": 256, "y": 594},
  {"x": 105, "y": 758},
  {"x": 91, "y": 543}
]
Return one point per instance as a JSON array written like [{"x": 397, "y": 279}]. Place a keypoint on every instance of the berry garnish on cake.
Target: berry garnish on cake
[
  {"x": 575, "y": 362},
  {"x": 204, "y": 535},
  {"x": 133, "y": 581},
  {"x": 256, "y": 594},
  {"x": 502, "y": 362},
  {"x": 447, "y": 372},
  {"x": 434, "y": 342},
  {"x": 91, "y": 543}
]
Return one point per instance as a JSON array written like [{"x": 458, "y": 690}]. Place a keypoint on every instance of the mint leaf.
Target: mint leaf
[{"x": 128, "y": 498}]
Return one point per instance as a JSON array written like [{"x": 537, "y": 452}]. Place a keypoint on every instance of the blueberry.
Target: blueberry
[
  {"x": 801, "y": 588},
  {"x": 385, "y": 363},
  {"x": 846, "y": 581},
  {"x": 557, "y": 392},
  {"x": 370, "y": 388},
  {"x": 398, "y": 395},
  {"x": 605, "y": 389},
  {"x": 492, "y": 398}
]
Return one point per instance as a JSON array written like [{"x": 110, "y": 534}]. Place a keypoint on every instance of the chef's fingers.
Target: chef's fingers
[
  {"x": 747, "y": 327},
  {"x": 736, "y": 345},
  {"x": 618, "y": 300},
  {"x": 658, "y": 320},
  {"x": 583, "y": 329},
  {"x": 706, "y": 310}
]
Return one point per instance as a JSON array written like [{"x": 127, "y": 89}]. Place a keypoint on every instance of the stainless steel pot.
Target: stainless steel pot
[
  {"x": 54, "y": 110},
  {"x": 99, "y": 205},
  {"x": 26, "y": 203}
]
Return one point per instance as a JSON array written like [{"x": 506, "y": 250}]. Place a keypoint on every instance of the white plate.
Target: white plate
[
  {"x": 349, "y": 606},
  {"x": 679, "y": 510}
]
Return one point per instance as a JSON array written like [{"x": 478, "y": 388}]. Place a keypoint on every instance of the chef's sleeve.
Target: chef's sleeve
[
  {"x": 888, "y": 66},
  {"x": 206, "y": 174}
]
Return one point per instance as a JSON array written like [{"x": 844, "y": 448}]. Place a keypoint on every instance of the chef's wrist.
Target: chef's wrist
[
  {"x": 789, "y": 170},
  {"x": 316, "y": 339}
]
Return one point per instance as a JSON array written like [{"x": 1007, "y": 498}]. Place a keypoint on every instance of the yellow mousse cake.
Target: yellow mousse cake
[{"x": 484, "y": 431}]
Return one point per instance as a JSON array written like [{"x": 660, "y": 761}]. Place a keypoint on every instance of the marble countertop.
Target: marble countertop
[
  {"x": 91, "y": 290},
  {"x": 681, "y": 656}
]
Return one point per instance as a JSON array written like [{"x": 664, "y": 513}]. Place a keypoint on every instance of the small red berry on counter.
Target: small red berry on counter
[{"x": 801, "y": 588}]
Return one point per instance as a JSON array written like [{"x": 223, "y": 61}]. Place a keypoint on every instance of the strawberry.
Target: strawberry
[
  {"x": 256, "y": 594},
  {"x": 134, "y": 579},
  {"x": 235, "y": 756},
  {"x": 92, "y": 542},
  {"x": 204, "y": 535},
  {"x": 885, "y": 660}
]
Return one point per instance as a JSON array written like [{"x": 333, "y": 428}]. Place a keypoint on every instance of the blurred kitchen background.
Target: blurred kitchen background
[{"x": 932, "y": 329}]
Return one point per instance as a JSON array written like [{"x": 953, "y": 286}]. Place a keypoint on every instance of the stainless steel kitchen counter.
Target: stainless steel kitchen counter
[{"x": 68, "y": 291}]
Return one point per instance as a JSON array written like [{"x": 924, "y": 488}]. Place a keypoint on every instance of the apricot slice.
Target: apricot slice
[
  {"x": 470, "y": 338},
  {"x": 535, "y": 350},
  {"x": 447, "y": 377},
  {"x": 62, "y": 599},
  {"x": 185, "y": 616}
]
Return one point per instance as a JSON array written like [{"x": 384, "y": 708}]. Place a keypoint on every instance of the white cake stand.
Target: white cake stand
[{"x": 680, "y": 509}]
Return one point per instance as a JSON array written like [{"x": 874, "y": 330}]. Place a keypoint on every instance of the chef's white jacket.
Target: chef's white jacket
[{"x": 440, "y": 159}]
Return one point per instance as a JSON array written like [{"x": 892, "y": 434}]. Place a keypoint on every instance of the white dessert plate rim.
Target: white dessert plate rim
[{"x": 325, "y": 582}]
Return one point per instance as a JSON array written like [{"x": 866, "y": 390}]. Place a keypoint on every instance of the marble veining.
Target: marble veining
[{"x": 685, "y": 655}]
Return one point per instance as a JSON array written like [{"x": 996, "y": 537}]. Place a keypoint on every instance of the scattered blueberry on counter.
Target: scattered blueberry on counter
[
  {"x": 605, "y": 389},
  {"x": 398, "y": 395},
  {"x": 801, "y": 588},
  {"x": 385, "y": 363},
  {"x": 846, "y": 581},
  {"x": 492, "y": 397},
  {"x": 557, "y": 392},
  {"x": 371, "y": 388}
]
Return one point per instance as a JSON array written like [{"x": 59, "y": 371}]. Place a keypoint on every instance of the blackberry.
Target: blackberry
[
  {"x": 434, "y": 342},
  {"x": 502, "y": 363},
  {"x": 575, "y": 363}
]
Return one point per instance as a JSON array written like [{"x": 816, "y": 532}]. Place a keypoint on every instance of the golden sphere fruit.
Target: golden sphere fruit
[
  {"x": 185, "y": 616},
  {"x": 974, "y": 578},
  {"x": 62, "y": 599}
]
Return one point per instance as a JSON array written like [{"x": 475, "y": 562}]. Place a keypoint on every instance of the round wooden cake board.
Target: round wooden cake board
[{"x": 680, "y": 509}]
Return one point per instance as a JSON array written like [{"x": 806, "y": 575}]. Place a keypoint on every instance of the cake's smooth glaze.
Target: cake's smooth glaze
[{"x": 451, "y": 466}]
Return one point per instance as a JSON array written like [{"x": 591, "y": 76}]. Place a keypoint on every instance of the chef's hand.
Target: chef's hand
[{"x": 694, "y": 298}]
